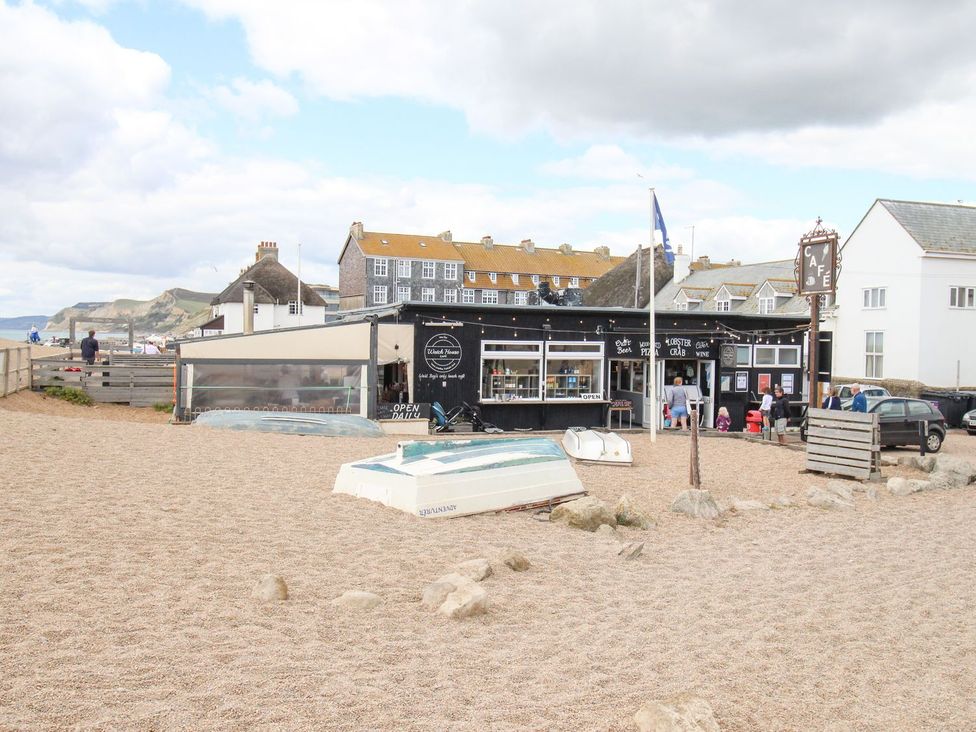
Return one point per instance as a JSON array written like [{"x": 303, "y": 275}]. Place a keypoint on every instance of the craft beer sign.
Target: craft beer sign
[{"x": 817, "y": 266}]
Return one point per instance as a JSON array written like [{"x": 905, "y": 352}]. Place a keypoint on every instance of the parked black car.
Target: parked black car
[{"x": 899, "y": 419}]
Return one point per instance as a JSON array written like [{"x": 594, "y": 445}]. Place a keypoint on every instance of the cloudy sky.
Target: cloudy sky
[{"x": 146, "y": 144}]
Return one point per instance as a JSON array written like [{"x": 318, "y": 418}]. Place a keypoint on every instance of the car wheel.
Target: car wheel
[{"x": 934, "y": 442}]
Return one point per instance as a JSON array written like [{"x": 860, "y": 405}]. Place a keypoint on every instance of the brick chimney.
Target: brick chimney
[
  {"x": 487, "y": 242},
  {"x": 603, "y": 252},
  {"x": 446, "y": 236},
  {"x": 566, "y": 248},
  {"x": 528, "y": 246},
  {"x": 248, "y": 306},
  {"x": 704, "y": 263},
  {"x": 267, "y": 249},
  {"x": 356, "y": 230}
]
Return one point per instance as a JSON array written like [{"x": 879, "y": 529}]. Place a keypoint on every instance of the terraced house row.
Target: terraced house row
[{"x": 382, "y": 268}]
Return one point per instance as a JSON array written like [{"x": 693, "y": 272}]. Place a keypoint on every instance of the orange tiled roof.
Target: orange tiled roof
[
  {"x": 407, "y": 246},
  {"x": 543, "y": 261}
]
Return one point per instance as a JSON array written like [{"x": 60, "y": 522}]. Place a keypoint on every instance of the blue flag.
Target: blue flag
[{"x": 659, "y": 226}]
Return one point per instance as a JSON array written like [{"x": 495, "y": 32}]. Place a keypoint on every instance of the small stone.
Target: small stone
[
  {"x": 631, "y": 550},
  {"x": 684, "y": 713},
  {"x": 872, "y": 493},
  {"x": 889, "y": 460},
  {"x": 608, "y": 531},
  {"x": 542, "y": 516},
  {"x": 627, "y": 514},
  {"x": 783, "y": 502},
  {"x": 476, "y": 569},
  {"x": 468, "y": 599},
  {"x": 898, "y": 486},
  {"x": 585, "y": 513},
  {"x": 819, "y": 498},
  {"x": 357, "y": 600},
  {"x": 696, "y": 503},
  {"x": 270, "y": 588},
  {"x": 435, "y": 594},
  {"x": 840, "y": 489},
  {"x": 514, "y": 560}
]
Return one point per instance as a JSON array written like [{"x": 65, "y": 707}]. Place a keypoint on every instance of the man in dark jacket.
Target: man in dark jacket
[
  {"x": 89, "y": 348},
  {"x": 780, "y": 413}
]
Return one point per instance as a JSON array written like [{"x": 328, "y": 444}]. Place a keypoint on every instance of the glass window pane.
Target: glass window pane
[
  {"x": 638, "y": 377},
  {"x": 765, "y": 356},
  {"x": 574, "y": 347},
  {"x": 572, "y": 378},
  {"x": 789, "y": 356},
  {"x": 510, "y": 379},
  {"x": 742, "y": 354}
]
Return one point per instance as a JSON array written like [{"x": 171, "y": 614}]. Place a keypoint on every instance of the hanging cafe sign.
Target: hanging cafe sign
[
  {"x": 666, "y": 346},
  {"x": 816, "y": 266}
]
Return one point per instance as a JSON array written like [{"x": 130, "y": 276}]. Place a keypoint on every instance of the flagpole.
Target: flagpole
[
  {"x": 637, "y": 279},
  {"x": 298, "y": 305},
  {"x": 652, "y": 376}
]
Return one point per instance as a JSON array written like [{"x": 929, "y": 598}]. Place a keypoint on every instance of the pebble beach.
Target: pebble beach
[{"x": 129, "y": 548}]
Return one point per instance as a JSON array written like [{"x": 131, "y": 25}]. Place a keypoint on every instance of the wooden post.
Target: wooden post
[
  {"x": 695, "y": 477},
  {"x": 814, "y": 400},
  {"x": 4, "y": 371}
]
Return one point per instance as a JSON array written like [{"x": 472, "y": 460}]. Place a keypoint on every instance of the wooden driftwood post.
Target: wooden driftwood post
[{"x": 695, "y": 477}]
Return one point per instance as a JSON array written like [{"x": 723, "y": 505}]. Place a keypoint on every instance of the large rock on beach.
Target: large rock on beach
[
  {"x": 475, "y": 569},
  {"x": 357, "y": 600},
  {"x": 959, "y": 471},
  {"x": 586, "y": 513},
  {"x": 628, "y": 514},
  {"x": 514, "y": 560},
  {"x": 270, "y": 588},
  {"x": 696, "y": 503},
  {"x": 924, "y": 463},
  {"x": 898, "y": 486},
  {"x": 820, "y": 498},
  {"x": 468, "y": 599},
  {"x": 684, "y": 713},
  {"x": 436, "y": 593},
  {"x": 841, "y": 489}
]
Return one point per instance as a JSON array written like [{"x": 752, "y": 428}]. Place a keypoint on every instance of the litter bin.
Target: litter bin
[
  {"x": 754, "y": 420},
  {"x": 952, "y": 404}
]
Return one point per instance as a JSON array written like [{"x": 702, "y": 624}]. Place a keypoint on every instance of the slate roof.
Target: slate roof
[
  {"x": 744, "y": 280},
  {"x": 937, "y": 227},
  {"x": 274, "y": 284}
]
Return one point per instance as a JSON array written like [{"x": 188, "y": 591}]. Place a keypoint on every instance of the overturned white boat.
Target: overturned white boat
[
  {"x": 598, "y": 447},
  {"x": 460, "y": 477}
]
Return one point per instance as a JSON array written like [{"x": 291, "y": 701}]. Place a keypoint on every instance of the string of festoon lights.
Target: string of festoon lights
[{"x": 720, "y": 331}]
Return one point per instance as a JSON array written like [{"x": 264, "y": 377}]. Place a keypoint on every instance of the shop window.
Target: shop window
[
  {"x": 450, "y": 271},
  {"x": 510, "y": 371},
  {"x": 785, "y": 356},
  {"x": 428, "y": 270},
  {"x": 874, "y": 354},
  {"x": 450, "y": 295},
  {"x": 574, "y": 371},
  {"x": 467, "y": 295},
  {"x": 380, "y": 267}
]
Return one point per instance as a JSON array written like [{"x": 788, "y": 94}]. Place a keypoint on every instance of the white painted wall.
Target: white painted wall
[
  {"x": 880, "y": 253},
  {"x": 268, "y": 316},
  {"x": 948, "y": 334}
]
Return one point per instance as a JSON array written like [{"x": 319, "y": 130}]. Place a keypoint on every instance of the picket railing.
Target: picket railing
[
  {"x": 15, "y": 368},
  {"x": 141, "y": 383}
]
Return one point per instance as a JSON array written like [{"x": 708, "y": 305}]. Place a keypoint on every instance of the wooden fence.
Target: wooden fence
[
  {"x": 844, "y": 443},
  {"x": 140, "y": 381},
  {"x": 15, "y": 368}
]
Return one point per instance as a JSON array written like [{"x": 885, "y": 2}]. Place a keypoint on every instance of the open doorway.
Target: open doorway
[{"x": 393, "y": 388}]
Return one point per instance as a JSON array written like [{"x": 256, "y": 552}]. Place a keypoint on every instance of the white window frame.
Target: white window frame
[
  {"x": 962, "y": 297},
  {"x": 743, "y": 350},
  {"x": 874, "y": 358},
  {"x": 428, "y": 269},
  {"x": 402, "y": 293},
  {"x": 404, "y": 267},
  {"x": 381, "y": 294},
  {"x": 681, "y": 306},
  {"x": 450, "y": 270},
  {"x": 587, "y": 351},
  {"x": 514, "y": 278},
  {"x": 723, "y": 306},
  {"x": 574, "y": 281},
  {"x": 450, "y": 295},
  {"x": 767, "y": 305},
  {"x": 777, "y": 357},
  {"x": 489, "y": 297},
  {"x": 535, "y": 280},
  {"x": 381, "y": 267},
  {"x": 294, "y": 308},
  {"x": 427, "y": 294},
  {"x": 524, "y": 351},
  {"x": 493, "y": 276},
  {"x": 521, "y": 297},
  {"x": 467, "y": 295},
  {"x": 555, "y": 280},
  {"x": 874, "y": 298},
  {"x": 472, "y": 275}
]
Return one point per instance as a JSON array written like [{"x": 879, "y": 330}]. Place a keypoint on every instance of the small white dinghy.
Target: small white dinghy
[
  {"x": 461, "y": 477},
  {"x": 597, "y": 447}
]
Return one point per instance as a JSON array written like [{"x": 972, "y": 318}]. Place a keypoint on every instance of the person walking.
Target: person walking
[
  {"x": 89, "y": 348},
  {"x": 678, "y": 404},
  {"x": 860, "y": 402},
  {"x": 780, "y": 412},
  {"x": 831, "y": 401}
]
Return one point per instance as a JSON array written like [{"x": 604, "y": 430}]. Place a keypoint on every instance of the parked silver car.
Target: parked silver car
[
  {"x": 871, "y": 393},
  {"x": 969, "y": 421}
]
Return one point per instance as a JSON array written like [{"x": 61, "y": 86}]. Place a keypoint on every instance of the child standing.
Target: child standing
[
  {"x": 723, "y": 420},
  {"x": 767, "y": 404}
]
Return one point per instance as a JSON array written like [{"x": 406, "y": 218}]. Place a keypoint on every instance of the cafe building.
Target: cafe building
[{"x": 525, "y": 367}]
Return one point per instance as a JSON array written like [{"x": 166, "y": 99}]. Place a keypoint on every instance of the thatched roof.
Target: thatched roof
[
  {"x": 273, "y": 284},
  {"x": 616, "y": 287}
]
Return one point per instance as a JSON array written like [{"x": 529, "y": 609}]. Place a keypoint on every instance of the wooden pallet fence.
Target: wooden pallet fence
[
  {"x": 137, "y": 385},
  {"x": 844, "y": 443},
  {"x": 15, "y": 368}
]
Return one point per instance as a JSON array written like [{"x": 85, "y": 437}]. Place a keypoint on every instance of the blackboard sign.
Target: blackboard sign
[
  {"x": 666, "y": 345},
  {"x": 402, "y": 411}
]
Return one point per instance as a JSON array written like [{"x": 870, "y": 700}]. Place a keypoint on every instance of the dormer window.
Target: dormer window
[
  {"x": 767, "y": 305},
  {"x": 535, "y": 279},
  {"x": 723, "y": 306},
  {"x": 472, "y": 276},
  {"x": 574, "y": 281},
  {"x": 555, "y": 280},
  {"x": 514, "y": 279},
  {"x": 493, "y": 276}
]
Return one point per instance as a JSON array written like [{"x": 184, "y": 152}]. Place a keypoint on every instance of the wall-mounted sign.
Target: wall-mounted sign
[
  {"x": 402, "y": 411},
  {"x": 666, "y": 346},
  {"x": 442, "y": 353},
  {"x": 742, "y": 381},
  {"x": 817, "y": 263},
  {"x": 728, "y": 356}
]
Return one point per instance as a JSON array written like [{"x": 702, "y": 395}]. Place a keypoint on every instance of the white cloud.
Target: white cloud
[
  {"x": 611, "y": 162},
  {"x": 254, "y": 101}
]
